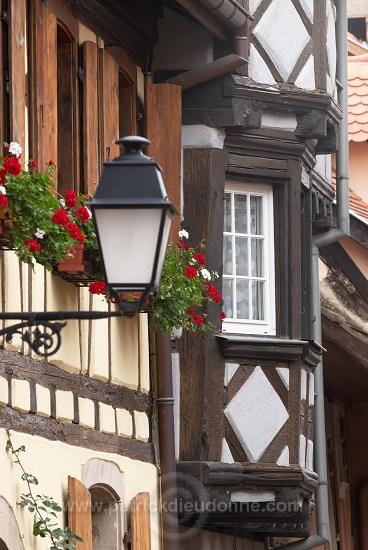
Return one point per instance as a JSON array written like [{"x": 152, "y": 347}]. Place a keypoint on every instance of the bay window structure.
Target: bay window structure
[{"x": 248, "y": 260}]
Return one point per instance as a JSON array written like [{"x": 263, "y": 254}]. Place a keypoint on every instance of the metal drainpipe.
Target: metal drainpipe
[
  {"x": 323, "y": 239},
  {"x": 165, "y": 413}
]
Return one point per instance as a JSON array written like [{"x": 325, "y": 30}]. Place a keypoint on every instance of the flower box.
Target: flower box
[{"x": 76, "y": 269}]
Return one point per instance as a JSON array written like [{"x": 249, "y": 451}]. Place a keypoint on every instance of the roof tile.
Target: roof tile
[{"x": 358, "y": 98}]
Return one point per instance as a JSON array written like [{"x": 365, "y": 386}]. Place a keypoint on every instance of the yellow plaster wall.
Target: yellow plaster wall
[
  {"x": 114, "y": 350},
  {"x": 52, "y": 462}
]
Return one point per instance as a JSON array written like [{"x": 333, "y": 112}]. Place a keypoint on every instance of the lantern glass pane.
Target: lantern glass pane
[
  {"x": 165, "y": 237},
  {"x": 128, "y": 239}
]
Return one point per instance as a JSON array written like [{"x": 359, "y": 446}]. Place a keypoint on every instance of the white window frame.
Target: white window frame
[{"x": 268, "y": 325}]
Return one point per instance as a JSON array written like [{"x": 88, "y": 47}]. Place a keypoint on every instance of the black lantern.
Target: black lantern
[{"x": 132, "y": 216}]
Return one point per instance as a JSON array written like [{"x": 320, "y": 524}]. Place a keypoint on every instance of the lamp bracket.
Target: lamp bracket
[{"x": 41, "y": 330}]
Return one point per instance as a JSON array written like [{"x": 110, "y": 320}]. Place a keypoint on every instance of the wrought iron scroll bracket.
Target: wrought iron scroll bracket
[{"x": 43, "y": 337}]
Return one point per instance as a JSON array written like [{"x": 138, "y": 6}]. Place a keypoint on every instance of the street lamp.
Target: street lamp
[{"x": 132, "y": 216}]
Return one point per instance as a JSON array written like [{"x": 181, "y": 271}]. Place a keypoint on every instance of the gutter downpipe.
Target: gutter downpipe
[
  {"x": 237, "y": 19},
  {"x": 323, "y": 535}
]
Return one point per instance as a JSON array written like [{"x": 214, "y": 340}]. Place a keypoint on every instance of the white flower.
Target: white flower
[
  {"x": 183, "y": 234},
  {"x": 15, "y": 149},
  {"x": 206, "y": 274},
  {"x": 2, "y": 190},
  {"x": 39, "y": 233},
  {"x": 62, "y": 202}
]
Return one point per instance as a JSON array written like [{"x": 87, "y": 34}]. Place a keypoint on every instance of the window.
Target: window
[{"x": 248, "y": 260}]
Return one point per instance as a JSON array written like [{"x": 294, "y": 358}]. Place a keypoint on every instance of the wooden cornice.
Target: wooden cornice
[{"x": 204, "y": 17}]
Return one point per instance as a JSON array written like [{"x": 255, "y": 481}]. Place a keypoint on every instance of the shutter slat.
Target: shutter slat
[
  {"x": 45, "y": 85},
  {"x": 109, "y": 97},
  {"x": 140, "y": 522},
  {"x": 163, "y": 129},
  {"x": 80, "y": 512},
  {"x": 17, "y": 71},
  {"x": 90, "y": 117}
]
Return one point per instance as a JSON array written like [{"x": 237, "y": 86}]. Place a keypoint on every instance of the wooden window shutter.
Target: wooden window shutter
[
  {"x": 17, "y": 72},
  {"x": 140, "y": 522},
  {"x": 43, "y": 85},
  {"x": 109, "y": 105},
  {"x": 163, "y": 129},
  {"x": 80, "y": 513},
  {"x": 91, "y": 150}
]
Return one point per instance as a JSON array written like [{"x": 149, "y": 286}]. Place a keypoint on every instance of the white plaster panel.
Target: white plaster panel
[
  {"x": 302, "y": 450},
  {"x": 230, "y": 370},
  {"x": 43, "y": 401},
  {"x": 284, "y": 121},
  {"x": 253, "y": 496},
  {"x": 107, "y": 418},
  {"x": 124, "y": 422},
  {"x": 306, "y": 79},
  {"x": 21, "y": 395},
  {"x": 256, "y": 414},
  {"x": 4, "y": 393},
  {"x": 258, "y": 69},
  {"x": 144, "y": 352},
  {"x": 283, "y": 35},
  {"x": 9, "y": 531},
  {"x": 86, "y": 412},
  {"x": 303, "y": 385},
  {"x": 141, "y": 426},
  {"x": 226, "y": 456},
  {"x": 284, "y": 374},
  {"x": 253, "y": 5},
  {"x": 64, "y": 405},
  {"x": 199, "y": 136},
  {"x": 284, "y": 458},
  {"x": 311, "y": 389},
  {"x": 124, "y": 352},
  {"x": 308, "y": 7},
  {"x": 309, "y": 461}
]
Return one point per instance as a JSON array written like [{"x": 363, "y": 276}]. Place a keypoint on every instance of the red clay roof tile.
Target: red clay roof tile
[{"x": 358, "y": 98}]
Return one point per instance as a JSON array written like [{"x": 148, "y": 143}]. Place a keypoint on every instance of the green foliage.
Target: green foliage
[{"x": 43, "y": 508}]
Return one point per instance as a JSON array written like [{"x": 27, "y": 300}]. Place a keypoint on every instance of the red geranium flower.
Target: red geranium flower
[
  {"x": 191, "y": 313},
  {"x": 12, "y": 166},
  {"x": 71, "y": 198},
  {"x": 75, "y": 232},
  {"x": 198, "y": 320},
  {"x": 60, "y": 217},
  {"x": 51, "y": 163},
  {"x": 3, "y": 202},
  {"x": 213, "y": 293},
  {"x": 181, "y": 243},
  {"x": 32, "y": 164},
  {"x": 200, "y": 259},
  {"x": 32, "y": 245},
  {"x": 223, "y": 315},
  {"x": 190, "y": 272},
  {"x": 82, "y": 214},
  {"x": 98, "y": 287}
]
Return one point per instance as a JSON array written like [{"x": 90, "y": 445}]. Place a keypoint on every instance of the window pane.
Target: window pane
[
  {"x": 256, "y": 218},
  {"x": 258, "y": 300},
  {"x": 241, "y": 255},
  {"x": 241, "y": 222},
  {"x": 257, "y": 257},
  {"x": 227, "y": 293},
  {"x": 228, "y": 256},
  {"x": 227, "y": 213},
  {"x": 242, "y": 299}
]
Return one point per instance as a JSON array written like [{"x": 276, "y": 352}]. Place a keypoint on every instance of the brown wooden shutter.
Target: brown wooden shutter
[
  {"x": 91, "y": 151},
  {"x": 163, "y": 129},
  {"x": 80, "y": 513},
  {"x": 140, "y": 522},
  {"x": 109, "y": 103},
  {"x": 43, "y": 85},
  {"x": 17, "y": 72}
]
